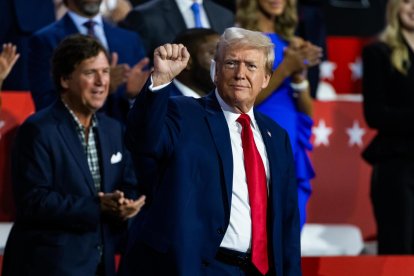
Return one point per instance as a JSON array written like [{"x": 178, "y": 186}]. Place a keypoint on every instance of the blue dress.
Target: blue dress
[{"x": 281, "y": 107}]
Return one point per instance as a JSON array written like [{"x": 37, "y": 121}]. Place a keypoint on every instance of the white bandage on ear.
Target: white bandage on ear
[{"x": 212, "y": 70}]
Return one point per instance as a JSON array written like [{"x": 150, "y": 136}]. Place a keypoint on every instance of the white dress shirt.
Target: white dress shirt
[
  {"x": 239, "y": 233},
  {"x": 185, "y": 8},
  {"x": 187, "y": 91},
  {"x": 99, "y": 31}
]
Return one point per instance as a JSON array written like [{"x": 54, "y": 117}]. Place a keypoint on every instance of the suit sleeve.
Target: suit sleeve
[
  {"x": 378, "y": 112},
  {"x": 37, "y": 199},
  {"x": 153, "y": 124},
  {"x": 291, "y": 220},
  {"x": 39, "y": 67}
]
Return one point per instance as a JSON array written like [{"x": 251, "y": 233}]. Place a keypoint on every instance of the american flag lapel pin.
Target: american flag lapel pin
[{"x": 268, "y": 133}]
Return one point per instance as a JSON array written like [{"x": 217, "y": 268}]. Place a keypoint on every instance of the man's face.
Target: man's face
[
  {"x": 86, "y": 8},
  {"x": 203, "y": 59},
  {"x": 87, "y": 87},
  {"x": 240, "y": 76}
]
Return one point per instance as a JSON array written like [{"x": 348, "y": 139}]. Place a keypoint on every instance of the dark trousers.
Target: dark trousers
[{"x": 392, "y": 195}]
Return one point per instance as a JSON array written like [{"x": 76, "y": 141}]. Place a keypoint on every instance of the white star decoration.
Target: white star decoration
[
  {"x": 355, "y": 134},
  {"x": 356, "y": 69},
  {"x": 321, "y": 133},
  {"x": 326, "y": 70}
]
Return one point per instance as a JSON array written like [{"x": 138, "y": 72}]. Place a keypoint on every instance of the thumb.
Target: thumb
[{"x": 142, "y": 63}]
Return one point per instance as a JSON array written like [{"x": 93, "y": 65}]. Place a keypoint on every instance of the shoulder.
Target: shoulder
[
  {"x": 217, "y": 8},
  {"x": 151, "y": 7},
  {"x": 376, "y": 48}
]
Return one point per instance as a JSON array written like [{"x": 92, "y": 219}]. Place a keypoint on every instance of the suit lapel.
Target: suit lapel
[
  {"x": 67, "y": 25},
  {"x": 104, "y": 146},
  {"x": 220, "y": 134},
  {"x": 272, "y": 156},
  {"x": 173, "y": 16},
  {"x": 68, "y": 134}
]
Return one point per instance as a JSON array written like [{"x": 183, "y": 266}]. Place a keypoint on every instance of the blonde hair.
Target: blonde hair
[
  {"x": 285, "y": 24},
  {"x": 392, "y": 36},
  {"x": 235, "y": 36}
]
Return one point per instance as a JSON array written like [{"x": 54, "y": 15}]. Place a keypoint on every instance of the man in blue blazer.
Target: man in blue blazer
[
  {"x": 73, "y": 180},
  {"x": 160, "y": 21},
  {"x": 198, "y": 177},
  {"x": 125, "y": 76}
]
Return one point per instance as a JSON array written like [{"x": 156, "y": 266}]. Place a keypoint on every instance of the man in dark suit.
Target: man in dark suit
[
  {"x": 219, "y": 176},
  {"x": 195, "y": 80},
  {"x": 19, "y": 19},
  {"x": 125, "y": 46},
  {"x": 73, "y": 179},
  {"x": 160, "y": 21}
]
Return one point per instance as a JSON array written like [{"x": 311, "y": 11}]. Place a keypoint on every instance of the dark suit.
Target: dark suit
[
  {"x": 389, "y": 108},
  {"x": 127, "y": 44},
  {"x": 18, "y": 20},
  {"x": 59, "y": 225},
  {"x": 160, "y": 21},
  {"x": 183, "y": 150}
]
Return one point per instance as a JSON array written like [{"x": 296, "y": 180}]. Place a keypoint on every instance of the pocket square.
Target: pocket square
[{"x": 115, "y": 158}]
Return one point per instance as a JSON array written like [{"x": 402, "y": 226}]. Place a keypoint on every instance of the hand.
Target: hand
[
  {"x": 119, "y": 73},
  {"x": 129, "y": 208},
  {"x": 137, "y": 78},
  {"x": 169, "y": 61},
  {"x": 8, "y": 58},
  {"x": 313, "y": 54},
  {"x": 110, "y": 202}
]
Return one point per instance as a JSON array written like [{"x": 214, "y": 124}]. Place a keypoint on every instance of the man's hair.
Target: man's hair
[
  {"x": 192, "y": 38},
  {"x": 239, "y": 37},
  {"x": 70, "y": 53}
]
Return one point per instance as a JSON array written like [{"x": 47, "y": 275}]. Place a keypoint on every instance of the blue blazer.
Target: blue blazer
[
  {"x": 127, "y": 44},
  {"x": 59, "y": 226},
  {"x": 182, "y": 148}
]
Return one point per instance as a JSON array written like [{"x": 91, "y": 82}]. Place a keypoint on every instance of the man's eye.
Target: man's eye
[
  {"x": 252, "y": 66},
  {"x": 230, "y": 64}
]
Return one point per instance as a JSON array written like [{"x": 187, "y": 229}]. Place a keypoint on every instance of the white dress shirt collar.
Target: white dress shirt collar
[
  {"x": 79, "y": 20},
  {"x": 232, "y": 115},
  {"x": 185, "y": 8},
  {"x": 185, "y": 90}
]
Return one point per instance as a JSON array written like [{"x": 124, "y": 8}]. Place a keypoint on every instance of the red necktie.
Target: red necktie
[{"x": 257, "y": 187}]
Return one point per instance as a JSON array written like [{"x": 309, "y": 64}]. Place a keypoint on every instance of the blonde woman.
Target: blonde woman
[
  {"x": 388, "y": 88},
  {"x": 287, "y": 99}
]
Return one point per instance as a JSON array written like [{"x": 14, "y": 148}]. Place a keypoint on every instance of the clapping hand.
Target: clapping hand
[
  {"x": 117, "y": 205},
  {"x": 169, "y": 61},
  {"x": 8, "y": 58}
]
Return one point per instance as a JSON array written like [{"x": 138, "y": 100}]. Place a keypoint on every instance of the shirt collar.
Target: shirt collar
[
  {"x": 94, "y": 122},
  {"x": 231, "y": 114},
  {"x": 185, "y": 5},
  {"x": 80, "y": 20},
  {"x": 185, "y": 90}
]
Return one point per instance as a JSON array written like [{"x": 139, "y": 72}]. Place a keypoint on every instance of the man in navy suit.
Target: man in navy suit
[
  {"x": 195, "y": 80},
  {"x": 126, "y": 48},
  {"x": 160, "y": 21},
  {"x": 73, "y": 180},
  {"x": 197, "y": 175}
]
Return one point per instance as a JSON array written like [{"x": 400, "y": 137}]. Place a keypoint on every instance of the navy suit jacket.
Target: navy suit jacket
[
  {"x": 160, "y": 21},
  {"x": 127, "y": 44},
  {"x": 182, "y": 148},
  {"x": 58, "y": 222}
]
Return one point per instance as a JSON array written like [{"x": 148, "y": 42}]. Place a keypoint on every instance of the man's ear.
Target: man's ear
[{"x": 64, "y": 82}]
